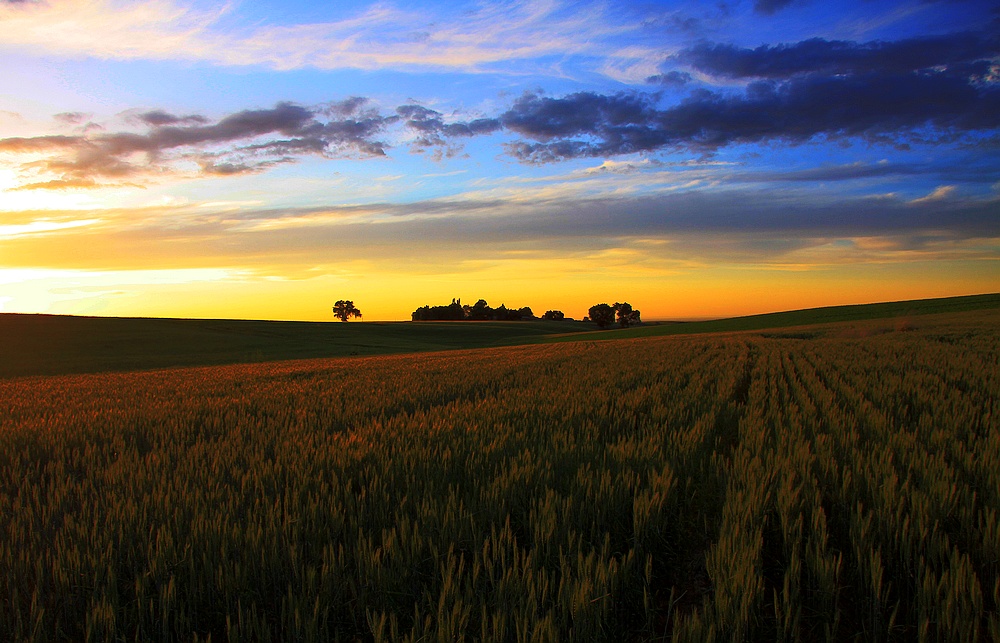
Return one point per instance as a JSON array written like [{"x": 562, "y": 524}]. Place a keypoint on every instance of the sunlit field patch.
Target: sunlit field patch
[{"x": 740, "y": 487}]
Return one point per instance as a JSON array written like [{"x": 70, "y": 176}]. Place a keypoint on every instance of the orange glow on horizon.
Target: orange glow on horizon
[{"x": 706, "y": 293}]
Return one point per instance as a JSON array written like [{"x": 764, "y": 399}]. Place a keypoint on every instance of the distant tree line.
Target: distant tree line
[
  {"x": 480, "y": 311},
  {"x": 603, "y": 315}
]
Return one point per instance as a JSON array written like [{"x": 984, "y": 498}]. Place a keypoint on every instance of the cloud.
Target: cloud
[
  {"x": 670, "y": 79},
  {"x": 721, "y": 226},
  {"x": 71, "y": 118},
  {"x": 62, "y": 184},
  {"x": 916, "y": 90},
  {"x": 487, "y": 38},
  {"x": 879, "y": 108},
  {"x": 939, "y": 194},
  {"x": 18, "y": 144},
  {"x": 617, "y": 124},
  {"x": 433, "y": 131},
  {"x": 623, "y": 167},
  {"x": 159, "y": 118},
  {"x": 955, "y": 52},
  {"x": 770, "y": 7},
  {"x": 244, "y": 142},
  {"x": 942, "y": 89}
]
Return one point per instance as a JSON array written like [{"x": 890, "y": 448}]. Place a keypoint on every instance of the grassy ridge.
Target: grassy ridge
[
  {"x": 693, "y": 488},
  {"x": 51, "y": 345}
]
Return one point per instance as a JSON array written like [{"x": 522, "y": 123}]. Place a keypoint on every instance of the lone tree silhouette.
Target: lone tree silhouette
[{"x": 344, "y": 310}]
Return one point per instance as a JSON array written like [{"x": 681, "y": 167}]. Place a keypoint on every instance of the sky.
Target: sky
[{"x": 265, "y": 159}]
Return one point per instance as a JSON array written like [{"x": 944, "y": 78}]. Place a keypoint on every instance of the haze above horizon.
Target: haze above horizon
[{"x": 263, "y": 160}]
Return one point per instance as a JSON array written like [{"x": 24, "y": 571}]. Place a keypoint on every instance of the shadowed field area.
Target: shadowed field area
[{"x": 52, "y": 344}]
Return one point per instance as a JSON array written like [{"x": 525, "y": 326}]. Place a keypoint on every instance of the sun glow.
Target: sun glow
[
  {"x": 12, "y": 199},
  {"x": 76, "y": 292}
]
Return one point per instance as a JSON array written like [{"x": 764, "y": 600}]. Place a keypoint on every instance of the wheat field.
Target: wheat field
[{"x": 787, "y": 486}]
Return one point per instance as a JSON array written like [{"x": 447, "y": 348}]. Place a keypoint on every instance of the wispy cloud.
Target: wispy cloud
[
  {"x": 379, "y": 37},
  {"x": 41, "y": 226},
  {"x": 939, "y": 194}
]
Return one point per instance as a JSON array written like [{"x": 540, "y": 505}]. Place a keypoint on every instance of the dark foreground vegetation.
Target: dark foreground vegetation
[{"x": 840, "y": 486}]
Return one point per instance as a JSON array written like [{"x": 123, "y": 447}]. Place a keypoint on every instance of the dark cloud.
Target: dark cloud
[
  {"x": 965, "y": 169},
  {"x": 670, "y": 79},
  {"x": 953, "y": 51},
  {"x": 433, "y": 131},
  {"x": 609, "y": 125},
  {"x": 159, "y": 118},
  {"x": 347, "y": 107},
  {"x": 916, "y": 90},
  {"x": 244, "y": 142},
  {"x": 232, "y": 168},
  {"x": 674, "y": 21},
  {"x": 71, "y": 118},
  {"x": 848, "y": 172},
  {"x": 770, "y": 7},
  {"x": 878, "y": 107}
]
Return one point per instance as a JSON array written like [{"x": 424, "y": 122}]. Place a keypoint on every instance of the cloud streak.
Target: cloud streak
[
  {"x": 378, "y": 38},
  {"x": 722, "y": 227}
]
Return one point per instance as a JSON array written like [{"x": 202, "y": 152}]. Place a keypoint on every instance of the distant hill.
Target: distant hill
[
  {"x": 899, "y": 310},
  {"x": 55, "y": 344}
]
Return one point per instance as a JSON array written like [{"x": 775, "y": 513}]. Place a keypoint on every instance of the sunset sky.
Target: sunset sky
[{"x": 264, "y": 159}]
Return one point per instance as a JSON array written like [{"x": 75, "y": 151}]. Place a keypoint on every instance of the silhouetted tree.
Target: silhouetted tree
[
  {"x": 455, "y": 310},
  {"x": 480, "y": 311},
  {"x": 627, "y": 316},
  {"x": 554, "y": 315},
  {"x": 602, "y": 314},
  {"x": 344, "y": 310},
  {"x": 452, "y": 312}
]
